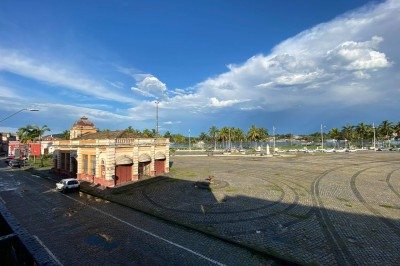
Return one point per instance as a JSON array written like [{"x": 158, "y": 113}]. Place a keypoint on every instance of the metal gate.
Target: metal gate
[
  {"x": 160, "y": 166},
  {"x": 123, "y": 173}
]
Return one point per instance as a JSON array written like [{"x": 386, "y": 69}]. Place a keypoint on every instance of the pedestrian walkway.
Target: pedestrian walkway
[{"x": 339, "y": 209}]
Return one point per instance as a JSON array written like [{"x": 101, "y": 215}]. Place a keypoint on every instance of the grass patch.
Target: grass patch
[
  {"x": 182, "y": 175},
  {"x": 40, "y": 161}
]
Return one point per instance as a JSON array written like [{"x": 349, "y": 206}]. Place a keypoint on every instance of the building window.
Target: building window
[
  {"x": 85, "y": 164},
  {"x": 93, "y": 164}
]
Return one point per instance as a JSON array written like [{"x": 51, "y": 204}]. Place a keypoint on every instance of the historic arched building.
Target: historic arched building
[{"x": 109, "y": 158}]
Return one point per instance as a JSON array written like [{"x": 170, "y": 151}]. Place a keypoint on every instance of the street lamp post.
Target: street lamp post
[{"x": 23, "y": 109}]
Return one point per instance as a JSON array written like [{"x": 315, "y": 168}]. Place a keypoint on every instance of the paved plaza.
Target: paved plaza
[{"x": 315, "y": 209}]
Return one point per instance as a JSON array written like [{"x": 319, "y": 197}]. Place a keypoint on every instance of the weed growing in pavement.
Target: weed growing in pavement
[
  {"x": 298, "y": 216},
  {"x": 387, "y": 206},
  {"x": 274, "y": 188},
  {"x": 342, "y": 199}
]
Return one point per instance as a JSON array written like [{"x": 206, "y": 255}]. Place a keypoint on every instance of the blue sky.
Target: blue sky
[{"x": 289, "y": 64}]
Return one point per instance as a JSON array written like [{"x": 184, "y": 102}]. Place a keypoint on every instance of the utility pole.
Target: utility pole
[
  {"x": 373, "y": 127},
  {"x": 189, "y": 140},
  {"x": 322, "y": 138},
  {"x": 273, "y": 132},
  {"x": 157, "y": 102}
]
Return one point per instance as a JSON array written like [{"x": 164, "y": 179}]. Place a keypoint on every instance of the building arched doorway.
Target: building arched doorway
[
  {"x": 159, "y": 163},
  {"x": 123, "y": 169},
  {"x": 144, "y": 165}
]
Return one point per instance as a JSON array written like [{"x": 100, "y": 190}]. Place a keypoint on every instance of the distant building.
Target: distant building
[
  {"x": 21, "y": 150},
  {"x": 109, "y": 158},
  {"x": 5, "y": 138}
]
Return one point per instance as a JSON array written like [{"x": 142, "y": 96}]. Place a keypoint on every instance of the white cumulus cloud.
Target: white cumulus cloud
[{"x": 150, "y": 86}]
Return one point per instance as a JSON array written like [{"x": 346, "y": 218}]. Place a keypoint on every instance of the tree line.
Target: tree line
[
  {"x": 351, "y": 133},
  {"x": 360, "y": 133}
]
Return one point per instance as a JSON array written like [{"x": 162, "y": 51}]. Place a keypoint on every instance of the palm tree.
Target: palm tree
[
  {"x": 25, "y": 134},
  {"x": 253, "y": 134},
  {"x": 263, "y": 133},
  {"x": 167, "y": 135},
  {"x": 334, "y": 133},
  {"x": 361, "y": 131},
  {"x": 385, "y": 129},
  {"x": 396, "y": 129},
  {"x": 38, "y": 132},
  {"x": 348, "y": 133},
  {"x": 203, "y": 136},
  {"x": 178, "y": 138},
  {"x": 65, "y": 134},
  {"x": 237, "y": 135},
  {"x": 223, "y": 134},
  {"x": 147, "y": 133},
  {"x": 213, "y": 132}
]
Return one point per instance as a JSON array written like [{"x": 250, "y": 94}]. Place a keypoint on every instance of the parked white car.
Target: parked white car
[{"x": 68, "y": 184}]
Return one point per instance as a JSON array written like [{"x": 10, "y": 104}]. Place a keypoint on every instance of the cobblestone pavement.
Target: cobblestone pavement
[
  {"x": 79, "y": 229},
  {"x": 325, "y": 209}
]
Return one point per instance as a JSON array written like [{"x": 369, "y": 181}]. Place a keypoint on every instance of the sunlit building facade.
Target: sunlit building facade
[{"x": 109, "y": 158}]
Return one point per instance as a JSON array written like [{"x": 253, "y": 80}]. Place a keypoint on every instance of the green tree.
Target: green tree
[
  {"x": 147, "y": 133},
  {"x": 385, "y": 129},
  {"x": 396, "y": 129},
  {"x": 335, "y": 134},
  {"x": 213, "y": 133},
  {"x": 167, "y": 135},
  {"x": 25, "y": 134},
  {"x": 31, "y": 133},
  {"x": 178, "y": 138},
  {"x": 223, "y": 135},
  {"x": 237, "y": 134},
  {"x": 348, "y": 133},
  {"x": 203, "y": 136},
  {"x": 65, "y": 134},
  {"x": 263, "y": 133},
  {"x": 361, "y": 132},
  {"x": 253, "y": 134},
  {"x": 39, "y": 132}
]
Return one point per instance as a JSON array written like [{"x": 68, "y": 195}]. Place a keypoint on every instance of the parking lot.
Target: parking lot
[{"x": 327, "y": 209}]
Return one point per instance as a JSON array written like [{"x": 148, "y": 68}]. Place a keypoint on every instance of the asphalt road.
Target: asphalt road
[{"x": 80, "y": 230}]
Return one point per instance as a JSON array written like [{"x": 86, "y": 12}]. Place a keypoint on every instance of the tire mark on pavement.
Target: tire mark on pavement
[
  {"x": 357, "y": 193},
  {"x": 389, "y": 176},
  {"x": 338, "y": 247}
]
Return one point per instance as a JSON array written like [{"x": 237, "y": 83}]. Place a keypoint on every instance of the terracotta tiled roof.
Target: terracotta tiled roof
[
  {"x": 110, "y": 135},
  {"x": 83, "y": 122},
  {"x": 53, "y": 137}
]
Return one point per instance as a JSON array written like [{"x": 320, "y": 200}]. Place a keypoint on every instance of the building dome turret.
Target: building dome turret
[{"x": 81, "y": 127}]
